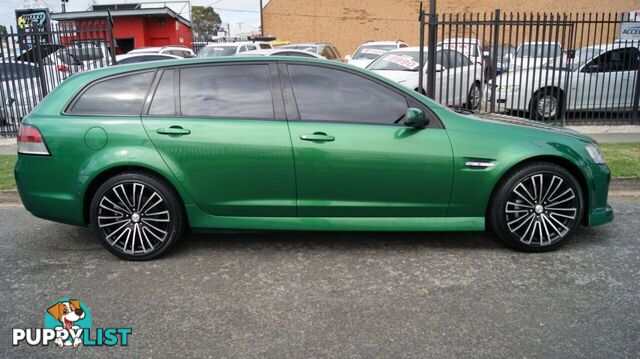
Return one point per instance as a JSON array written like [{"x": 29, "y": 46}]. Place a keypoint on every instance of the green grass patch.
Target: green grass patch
[
  {"x": 623, "y": 158},
  {"x": 7, "y": 162}
]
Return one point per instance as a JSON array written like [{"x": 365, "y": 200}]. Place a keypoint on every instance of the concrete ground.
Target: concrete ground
[{"x": 301, "y": 294}]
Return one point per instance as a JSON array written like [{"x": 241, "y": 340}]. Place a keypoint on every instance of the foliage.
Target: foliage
[{"x": 205, "y": 22}]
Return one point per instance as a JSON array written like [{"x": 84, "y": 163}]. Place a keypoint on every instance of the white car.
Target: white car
[
  {"x": 370, "y": 50},
  {"x": 597, "y": 78},
  {"x": 458, "y": 79},
  {"x": 532, "y": 55},
  {"x": 231, "y": 48},
  {"x": 324, "y": 49},
  {"x": 137, "y": 58},
  {"x": 180, "y": 51},
  {"x": 282, "y": 52},
  {"x": 92, "y": 54}
]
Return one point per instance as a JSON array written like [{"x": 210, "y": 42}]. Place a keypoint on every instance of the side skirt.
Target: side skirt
[{"x": 201, "y": 222}]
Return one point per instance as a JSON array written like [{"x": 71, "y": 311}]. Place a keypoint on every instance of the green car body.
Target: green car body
[{"x": 259, "y": 174}]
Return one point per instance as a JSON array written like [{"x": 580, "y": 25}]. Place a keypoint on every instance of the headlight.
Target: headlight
[{"x": 595, "y": 154}]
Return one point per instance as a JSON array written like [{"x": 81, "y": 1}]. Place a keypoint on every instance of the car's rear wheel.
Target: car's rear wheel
[
  {"x": 136, "y": 216},
  {"x": 536, "y": 207}
]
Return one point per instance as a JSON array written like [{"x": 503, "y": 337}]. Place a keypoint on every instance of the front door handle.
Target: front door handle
[
  {"x": 173, "y": 131},
  {"x": 317, "y": 137}
]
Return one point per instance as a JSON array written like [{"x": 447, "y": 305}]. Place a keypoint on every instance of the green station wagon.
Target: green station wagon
[{"x": 140, "y": 153}]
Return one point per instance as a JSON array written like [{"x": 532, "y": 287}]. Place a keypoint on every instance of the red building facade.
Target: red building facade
[{"x": 135, "y": 28}]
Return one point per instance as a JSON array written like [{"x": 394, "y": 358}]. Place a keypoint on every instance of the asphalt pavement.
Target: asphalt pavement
[{"x": 324, "y": 294}]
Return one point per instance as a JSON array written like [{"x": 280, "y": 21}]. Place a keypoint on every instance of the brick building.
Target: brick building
[{"x": 348, "y": 23}]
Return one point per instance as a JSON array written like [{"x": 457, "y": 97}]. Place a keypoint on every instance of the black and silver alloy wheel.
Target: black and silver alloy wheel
[
  {"x": 541, "y": 209},
  {"x": 537, "y": 207},
  {"x": 136, "y": 216}
]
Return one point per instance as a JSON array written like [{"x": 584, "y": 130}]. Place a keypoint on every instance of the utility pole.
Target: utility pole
[{"x": 261, "y": 20}]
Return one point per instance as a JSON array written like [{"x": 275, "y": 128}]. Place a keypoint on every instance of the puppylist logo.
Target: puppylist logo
[{"x": 67, "y": 323}]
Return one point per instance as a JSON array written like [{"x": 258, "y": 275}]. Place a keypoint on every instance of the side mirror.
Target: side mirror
[
  {"x": 415, "y": 118},
  {"x": 347, "y": 57},
  {"x": 439, "y": 68}
]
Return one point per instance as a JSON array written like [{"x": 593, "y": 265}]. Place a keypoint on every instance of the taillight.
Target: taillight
[
  {"x": 30, "y": 141},
  {"x": 63, "y": 68}
]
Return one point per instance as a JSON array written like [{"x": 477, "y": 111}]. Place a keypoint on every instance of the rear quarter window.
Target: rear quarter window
[{"x": 120, "y": 95}]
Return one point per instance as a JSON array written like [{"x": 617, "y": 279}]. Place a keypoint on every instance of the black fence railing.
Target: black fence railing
[
  {"x": 32, "y": 63},
  {"x": 557, "y": 68}
]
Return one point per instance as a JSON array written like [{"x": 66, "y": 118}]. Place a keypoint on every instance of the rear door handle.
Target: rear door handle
[
  {"x": 317, "y": 137},
  {"x": 173, "y": 130}
]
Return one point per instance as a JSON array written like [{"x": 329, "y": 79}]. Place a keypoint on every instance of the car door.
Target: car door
[
  {"x": 608, "y": 80},
  {"x": 352, "y": 157},
  {"x": 221, "y": 130}
]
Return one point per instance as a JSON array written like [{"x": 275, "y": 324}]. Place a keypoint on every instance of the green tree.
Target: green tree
[
  {"x": 3, "y": 30},
  {"x": 205, "y": 22}
]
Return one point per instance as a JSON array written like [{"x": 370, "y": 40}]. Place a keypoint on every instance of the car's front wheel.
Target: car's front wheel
[
  {"x": 136, "y": 216},
  {"x": 536, "y": 207},
  {"x": 546, "y": 105}
]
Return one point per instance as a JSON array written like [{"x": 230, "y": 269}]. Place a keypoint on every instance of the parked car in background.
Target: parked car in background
[
  {"x": 92, "y": 54},
  {"x": 598, "y": 78},
  {"x": 231, "y": 48},
  {"x": 180, "y": 51},
  {"x": 537, "y": 54},
  {"x": 458, "y": 79},
  {"x": 324, "y": 49},
  {"x": 282, "y": 52},
  {"x": 370, "y": 50},
  {"x": 140, "y": 153},
  {"x": 505, "y": 54},
  {"x": 136, "y": 58},
  {"x": 19, "y": 90}
]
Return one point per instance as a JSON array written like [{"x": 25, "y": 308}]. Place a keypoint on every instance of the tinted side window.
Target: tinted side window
[
  {"x": 324, "y": 94},
  {"x": 12, "y": 71},
  {"x": 625, "y": 59},
  {"x": 122, "y": 95},
  {"x": 265, "y": 46},
  {"x": 164, "y": 97},
  {"x": 226, "y": 91},
  {"x": 442, "y": 58}
]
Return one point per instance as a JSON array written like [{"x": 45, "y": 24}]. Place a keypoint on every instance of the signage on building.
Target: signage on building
[
  {"x": 32, "y": 20},
  {"x": 630, "y": 30}
]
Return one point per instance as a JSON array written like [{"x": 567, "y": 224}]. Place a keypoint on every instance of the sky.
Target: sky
[{"x": 242, "y": 15}]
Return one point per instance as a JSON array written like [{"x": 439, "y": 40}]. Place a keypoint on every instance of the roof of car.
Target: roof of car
[
  {"x": 140, "y": 54},
  {"x": 390, "y": 42},
  {"x": 267, "y": 52}
]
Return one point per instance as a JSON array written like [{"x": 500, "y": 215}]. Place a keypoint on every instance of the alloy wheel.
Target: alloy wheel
[
  {"x": 474, "y": 96},
  {"x": 547, "y": 106},
  {"x": 541, "y": 209},
  {"x": 134, "y": 218}
]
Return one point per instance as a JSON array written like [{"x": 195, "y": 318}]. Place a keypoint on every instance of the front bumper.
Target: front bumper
[{"x": 599, "y": 210}]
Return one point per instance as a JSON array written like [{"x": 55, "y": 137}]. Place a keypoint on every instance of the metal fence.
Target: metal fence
[
  {"x": 557, "y": 68},
  {"x": 34, "y": 62}
]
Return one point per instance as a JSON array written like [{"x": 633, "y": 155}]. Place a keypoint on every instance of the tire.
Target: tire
[
  {"x": 546, "y": 105},
  {"x": 117, "y": 214},
  {"x": 474, "y": 98},
  {"x": 520, "y": 212}
]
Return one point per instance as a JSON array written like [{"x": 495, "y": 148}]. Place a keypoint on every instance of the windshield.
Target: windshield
[
  {"x": 87, "y": 53},
  {"x": 397, "y": 60},
  {"x": 370, "y": 52},
  {"x": 309, "y": 48},
  {"x": 583, "y": 56},
  {"x": 215, "y": 51},
  {"x": 539, "y": 51}
]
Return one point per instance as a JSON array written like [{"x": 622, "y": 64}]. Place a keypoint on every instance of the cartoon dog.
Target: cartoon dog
[{"x": 67, "y": 313}]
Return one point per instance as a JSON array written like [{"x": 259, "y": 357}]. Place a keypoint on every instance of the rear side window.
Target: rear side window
[
  {"x": 164, "y": 98},
  {"x": 324, "y": 94},
  {"x": 226, "y": 91},
  {"x": 13, "y": 71},
  {"x": 122, "y": 95}
]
